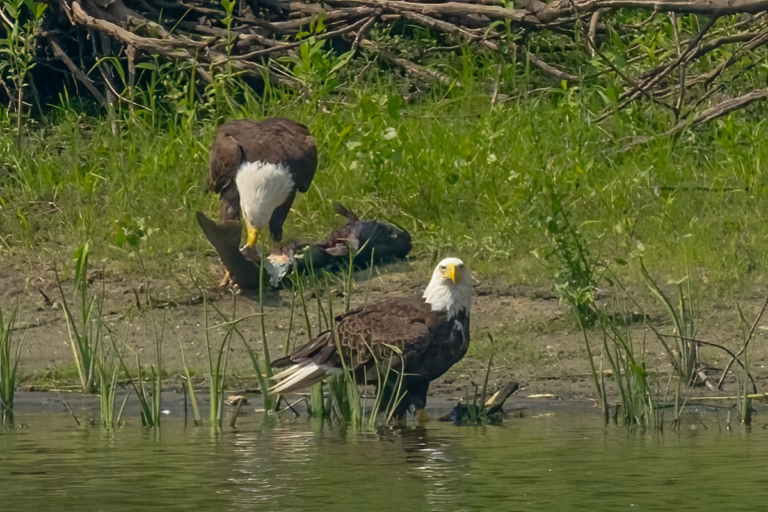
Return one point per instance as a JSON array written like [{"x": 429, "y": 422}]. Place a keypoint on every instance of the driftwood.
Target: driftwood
[{"x": 491, "y": 411}]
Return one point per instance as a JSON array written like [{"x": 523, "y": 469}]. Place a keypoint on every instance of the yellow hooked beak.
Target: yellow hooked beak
[
  {"x": 253, "y": 236},
  {"x": 453, "y": 273}
]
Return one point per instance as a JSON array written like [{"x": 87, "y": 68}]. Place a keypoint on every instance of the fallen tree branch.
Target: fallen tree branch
[
  {"x": 169, "y": 47},
  {"x": 289, "y": 46},
  {"x": 559, "y": 9},
  {"x": 76, "y": 71},
  {"x": 420, "y": 72},
  {"x": 653, "y": 79},
  {"x": 495, "y": 13},
  {"x": 708, "y": 115},
  {"x": 562, "y": 75},
  {"x": 592, "y": 35}
]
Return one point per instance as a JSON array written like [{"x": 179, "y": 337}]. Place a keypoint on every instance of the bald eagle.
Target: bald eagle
[
  {"x": 431, "y": 332},
  {"x": 257, "y": 168}
]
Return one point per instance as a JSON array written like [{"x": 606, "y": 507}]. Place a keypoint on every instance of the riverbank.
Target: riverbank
[{"x": 536, "y": 341}]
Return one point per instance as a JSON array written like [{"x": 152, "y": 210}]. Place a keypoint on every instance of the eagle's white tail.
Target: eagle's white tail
[{"x": 301, "y": 376}]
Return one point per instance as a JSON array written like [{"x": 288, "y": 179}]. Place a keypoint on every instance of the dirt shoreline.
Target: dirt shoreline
[{"x": 536, "y": 342}]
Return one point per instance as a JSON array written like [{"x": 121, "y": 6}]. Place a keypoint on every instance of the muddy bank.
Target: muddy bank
[{"x": 536, "y": 342}]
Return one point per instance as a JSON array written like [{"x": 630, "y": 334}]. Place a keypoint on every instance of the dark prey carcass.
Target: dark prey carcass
[{"x": 372, "y": 240}]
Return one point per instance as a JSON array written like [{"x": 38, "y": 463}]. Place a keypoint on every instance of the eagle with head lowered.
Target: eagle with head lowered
[
  {"x": 257, "y": 168},
  {"x": 431, "y": 333}
]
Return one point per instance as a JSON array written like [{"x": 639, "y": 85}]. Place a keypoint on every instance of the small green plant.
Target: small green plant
[
  {"x": 217, "y": 361},
  {"x": 263, "y": 369},
  {"x": 19, "y": 48},
  {"x": 476, "y": 412},
  {"x": 10, "y": 353},
  {"x": 149, "y": 398},
  {"x": 638, "y": 396},
  {"x": 188, "y": 381},
  {"x": 218, "y": 358},
  {"x": 579, "y": 275},
  {"x": 132, "y": 235},
  {"x": 576, "y": 275}
]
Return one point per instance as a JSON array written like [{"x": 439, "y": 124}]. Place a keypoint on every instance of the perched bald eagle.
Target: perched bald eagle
[
  {"x": 257, "y": 168},
  {"x": 431, "y": 331}
]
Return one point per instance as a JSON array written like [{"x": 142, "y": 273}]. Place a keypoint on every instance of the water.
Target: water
[{"x": 554, "y": 458}]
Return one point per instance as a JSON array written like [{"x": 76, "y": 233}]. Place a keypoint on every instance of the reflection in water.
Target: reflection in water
[
  {"x": 406, "y": 469},
  {"x": 562, "y": 461},
  {"x": 436, "y": 463}
]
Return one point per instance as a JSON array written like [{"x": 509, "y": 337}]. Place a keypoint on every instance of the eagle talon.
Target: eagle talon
[
  {"x": 227, "y": 281},
  {"x": 421, "y": 417}
]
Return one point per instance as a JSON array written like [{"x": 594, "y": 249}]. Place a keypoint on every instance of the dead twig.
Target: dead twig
[
  {"x": 744, "y": 348},
  {"x": 496, "y": 86}
]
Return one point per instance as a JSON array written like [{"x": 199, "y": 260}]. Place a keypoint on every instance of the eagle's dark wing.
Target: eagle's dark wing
[
  {"x": 290, "y": 143},
  {"x": 366, "y": 336},
  {"x": 224, "y": 160}
]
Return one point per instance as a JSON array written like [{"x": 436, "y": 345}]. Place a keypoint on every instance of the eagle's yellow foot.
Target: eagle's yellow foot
[
  {"x": 226, "y": 281},
  {"x": 421, "y": 417}
]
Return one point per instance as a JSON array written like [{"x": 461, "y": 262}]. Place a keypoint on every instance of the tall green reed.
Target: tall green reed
[
  {"x": 108, "y": 370},
  {"x": 150, "y": 397},
  {"x": 743, "y": 377},
  {"x": 10, "y": 353},
  {"x": 316, "y": 407},
  {"x": 85, "y": 332},
  {"x": 218, "y": 358},
  {"x": 190, "y": 390},
  {"x": 684, "y": 353}
]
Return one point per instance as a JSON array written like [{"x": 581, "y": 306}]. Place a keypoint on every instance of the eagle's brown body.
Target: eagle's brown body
[
  {"x": 429, "y": 342},
  {"x": 275, "y": 141}
]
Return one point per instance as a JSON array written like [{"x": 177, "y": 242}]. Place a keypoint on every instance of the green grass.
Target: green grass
[{"x": 462, "y": 175}]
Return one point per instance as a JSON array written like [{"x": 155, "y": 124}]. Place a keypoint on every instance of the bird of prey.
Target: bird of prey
[
  {"x": 257, "y": 168},
  {"x": 431, "y": 334}
]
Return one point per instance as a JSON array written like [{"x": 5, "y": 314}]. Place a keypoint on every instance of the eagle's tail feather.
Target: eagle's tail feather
[{"x": 301, "y": 376}]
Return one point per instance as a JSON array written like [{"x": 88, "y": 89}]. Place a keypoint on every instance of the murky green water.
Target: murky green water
[{"x": 556, "y": 458}]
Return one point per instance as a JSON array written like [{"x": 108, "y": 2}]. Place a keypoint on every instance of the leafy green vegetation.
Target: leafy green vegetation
[{"x": 462, "y": 174}]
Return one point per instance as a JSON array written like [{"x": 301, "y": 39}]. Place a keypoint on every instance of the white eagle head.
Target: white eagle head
[{"x": 450, "y": 289}]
